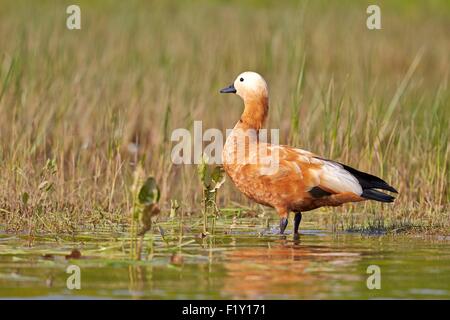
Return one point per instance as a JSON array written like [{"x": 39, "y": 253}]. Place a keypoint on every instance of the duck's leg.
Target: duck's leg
[
  {"x": 283, "y": 219},
  {"x": 283, "y": 224},
  {"x": 297, "y": 220}
]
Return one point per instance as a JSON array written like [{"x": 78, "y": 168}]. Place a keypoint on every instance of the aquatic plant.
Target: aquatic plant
[
  {"x": 212, "y": 178},
  {"x": 145, "y": 196}
]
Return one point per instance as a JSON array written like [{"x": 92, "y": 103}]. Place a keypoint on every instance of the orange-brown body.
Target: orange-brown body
[
  {"x": 283, "y": 177},
  {"x": 287, "y": 187}
]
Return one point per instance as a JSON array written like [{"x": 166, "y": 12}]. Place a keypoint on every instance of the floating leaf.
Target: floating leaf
[
  {"x": 176, "y": 258},
  {"x": 75, "y": 254}
]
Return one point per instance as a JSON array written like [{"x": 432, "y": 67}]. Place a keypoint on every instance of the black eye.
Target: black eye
[{"x": 241, "y": 79}]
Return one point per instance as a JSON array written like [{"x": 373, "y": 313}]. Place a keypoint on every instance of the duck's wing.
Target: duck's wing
[{"x": 321, "y": 177}]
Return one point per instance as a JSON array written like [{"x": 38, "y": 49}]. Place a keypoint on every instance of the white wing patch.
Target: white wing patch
[{"x": 334, "y": 177}]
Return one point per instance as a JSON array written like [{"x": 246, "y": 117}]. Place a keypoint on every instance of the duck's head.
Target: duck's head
[{"x": 250, "y": 86}]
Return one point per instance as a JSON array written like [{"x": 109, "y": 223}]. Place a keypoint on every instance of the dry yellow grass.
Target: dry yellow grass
[{"x": 377, "y": 100}]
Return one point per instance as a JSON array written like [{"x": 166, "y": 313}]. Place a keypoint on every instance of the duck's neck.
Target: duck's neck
[{"x": 255, "y": 113}]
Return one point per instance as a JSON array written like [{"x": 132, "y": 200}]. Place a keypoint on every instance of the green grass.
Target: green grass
[{"x": 376, "y": 100}]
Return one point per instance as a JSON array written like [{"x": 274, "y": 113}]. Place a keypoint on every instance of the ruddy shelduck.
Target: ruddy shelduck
[{"x": 300, "y": 180}]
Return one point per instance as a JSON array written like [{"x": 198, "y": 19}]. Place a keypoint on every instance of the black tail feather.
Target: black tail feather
[
  {"x": 368, "y": 181},
  {"x": 373, "y": 194}
]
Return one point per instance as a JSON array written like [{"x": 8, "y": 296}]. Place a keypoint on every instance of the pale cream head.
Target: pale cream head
[{"x": 249, "y": 86}]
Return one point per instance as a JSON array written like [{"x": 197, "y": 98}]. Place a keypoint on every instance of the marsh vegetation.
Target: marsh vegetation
[{"x": 81, "y": 110}]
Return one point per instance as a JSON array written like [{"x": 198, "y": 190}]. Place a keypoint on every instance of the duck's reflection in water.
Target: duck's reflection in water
[{"x": 289, "y": 269}]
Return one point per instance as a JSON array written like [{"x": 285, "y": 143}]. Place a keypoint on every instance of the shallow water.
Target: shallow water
[{"x": 240, "y": 264}]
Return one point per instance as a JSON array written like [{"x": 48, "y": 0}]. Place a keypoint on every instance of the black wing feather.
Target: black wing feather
[{"x": 368, "y": 181}]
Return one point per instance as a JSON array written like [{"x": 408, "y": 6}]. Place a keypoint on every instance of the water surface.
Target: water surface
[{"x": 237, "y": 264}]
